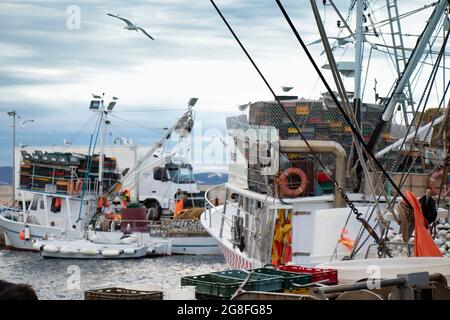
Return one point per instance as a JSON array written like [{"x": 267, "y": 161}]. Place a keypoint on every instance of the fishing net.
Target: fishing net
[{"x": 317, "y": 120}]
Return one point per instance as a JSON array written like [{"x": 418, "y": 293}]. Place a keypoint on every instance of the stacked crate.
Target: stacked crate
[{"x": 317, "y": 119}]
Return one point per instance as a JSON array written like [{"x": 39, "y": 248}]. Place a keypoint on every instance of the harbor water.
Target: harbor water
[{"x": 68, "y": 279}]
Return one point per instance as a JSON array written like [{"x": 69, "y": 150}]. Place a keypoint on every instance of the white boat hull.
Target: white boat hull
[
  {"x": 11, "y": 230},
  {"x": 195, "y": 245},
  {"x": 178, "y": 245}
]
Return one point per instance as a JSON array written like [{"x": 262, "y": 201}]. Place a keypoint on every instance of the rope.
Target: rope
[{"x": 339, "y": 188}]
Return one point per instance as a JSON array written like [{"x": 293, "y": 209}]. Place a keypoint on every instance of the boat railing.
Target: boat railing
[
  {"x": 153, "y": 227},
  {"x": 161, "y": 228},
  {"x": 9, "y": 209},
  {"x": 409, "y": 248},
  {"x": 222, "y": 213}
]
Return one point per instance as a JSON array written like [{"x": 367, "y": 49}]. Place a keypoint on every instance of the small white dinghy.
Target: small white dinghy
[
  {"x": 85, "y": 249},
  {"x": 350, "y": 271}
]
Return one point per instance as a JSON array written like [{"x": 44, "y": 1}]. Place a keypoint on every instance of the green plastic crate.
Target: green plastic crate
[
  {"x": 225, "y": 283},
  {"x": 290, "y": 279}
]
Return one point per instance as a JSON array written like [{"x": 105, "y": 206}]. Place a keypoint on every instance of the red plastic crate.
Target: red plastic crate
[{"x": 317, "y": 274}]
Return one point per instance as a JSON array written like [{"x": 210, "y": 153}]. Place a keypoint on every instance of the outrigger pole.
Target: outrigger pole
[
  {"x": 403, "y": 80},
  {"x": 356, "y": 133},
  {"x": 358, "y": 214}
]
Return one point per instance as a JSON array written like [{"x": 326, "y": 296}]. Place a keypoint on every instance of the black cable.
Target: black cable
[
  {"x": 428, "y": 87},
  {"x": 344, "y": 114},
  {"x": 339, "y": 188},
  {"x": 272, "y": 91}
]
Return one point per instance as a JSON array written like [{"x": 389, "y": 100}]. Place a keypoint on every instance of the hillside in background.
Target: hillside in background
[
  {"x": 211, "y": 178},
  {"x": 5, "y": 175}
]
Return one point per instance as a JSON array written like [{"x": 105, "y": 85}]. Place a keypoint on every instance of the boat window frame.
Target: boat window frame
[{"x": 34, "y": 203}]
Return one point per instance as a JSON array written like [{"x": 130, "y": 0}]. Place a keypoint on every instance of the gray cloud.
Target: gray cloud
[{"x": 39, "y": 55}]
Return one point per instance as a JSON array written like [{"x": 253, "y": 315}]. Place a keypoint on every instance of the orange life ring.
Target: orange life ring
[
  {"x": 283, "y": 182},
  {"x": 433, "y": 182}
]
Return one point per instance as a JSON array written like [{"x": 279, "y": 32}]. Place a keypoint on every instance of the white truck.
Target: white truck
[{"x": 161, "y": 182}]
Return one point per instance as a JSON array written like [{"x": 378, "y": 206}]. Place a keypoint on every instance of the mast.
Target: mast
[
  {"x": 98, "y": 105},
  {"x": 399, "y": 50},
  {"x": 359, "y": 33},
  {"x": 403, "y": 80},
  {"x": 359, "y": 52},
  {"x": 102, "y": 146}
]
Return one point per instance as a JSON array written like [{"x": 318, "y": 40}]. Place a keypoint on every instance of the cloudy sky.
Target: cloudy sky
[{"x": 54, "y": 54}]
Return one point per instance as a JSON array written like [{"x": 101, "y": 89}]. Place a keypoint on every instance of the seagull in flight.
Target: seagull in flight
[
  {"x": 286, "y": 89},
  {"x": 131, "y": 26}
]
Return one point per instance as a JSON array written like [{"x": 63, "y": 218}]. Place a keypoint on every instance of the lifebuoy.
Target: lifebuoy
[{"x": 283, "y": 182}]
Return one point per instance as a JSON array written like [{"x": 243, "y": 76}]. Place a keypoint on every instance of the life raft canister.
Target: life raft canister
[
  {"x": 283, "y": 182},
  {"x": 27, "y": 233}
]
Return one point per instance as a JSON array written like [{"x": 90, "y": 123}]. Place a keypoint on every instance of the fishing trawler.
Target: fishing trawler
[
  {"x": 71, "y": 201},
  {"x": 310, "y": 183}
]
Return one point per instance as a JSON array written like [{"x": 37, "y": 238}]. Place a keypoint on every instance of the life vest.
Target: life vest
[
  {"x": 102, "y": 202},
  {"x": 277, "y": 237},
  {"x": 282, "y": 239},
  {"x": 126, "y": 196},
  {"x": 179, "y": 206},
  {"x": 287, "y": 240}
]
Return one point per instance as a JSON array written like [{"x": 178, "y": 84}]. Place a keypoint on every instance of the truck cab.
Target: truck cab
[{"x": 161, "y": 182}]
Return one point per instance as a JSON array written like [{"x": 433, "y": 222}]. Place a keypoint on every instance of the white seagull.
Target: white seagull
[{"x": 131, "y": 26}]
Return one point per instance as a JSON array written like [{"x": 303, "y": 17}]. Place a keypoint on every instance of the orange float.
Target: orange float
[{"x": 283, "y": 182}]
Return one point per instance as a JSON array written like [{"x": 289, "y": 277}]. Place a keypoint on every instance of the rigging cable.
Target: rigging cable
[
  {"x": 344, "y": 114},
  {"x": 319, "y": 161}
]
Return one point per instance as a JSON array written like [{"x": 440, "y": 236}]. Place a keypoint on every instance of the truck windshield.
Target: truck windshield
[{"x": 181, "y": 175}]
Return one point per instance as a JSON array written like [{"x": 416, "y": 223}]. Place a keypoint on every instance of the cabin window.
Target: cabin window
[
  {"x": 160, "y": 174},
  {"x": 42, "y": 205},
  {"x": 34, "y": 202},
  {"x": 182, "y": 175}
]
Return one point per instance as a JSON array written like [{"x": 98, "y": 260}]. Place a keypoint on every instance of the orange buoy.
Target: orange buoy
[
  {"x": 283, "y": 182},
  {"x": 22, "y": 235}
]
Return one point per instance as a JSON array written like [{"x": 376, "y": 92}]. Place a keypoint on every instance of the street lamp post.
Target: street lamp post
[{"x": 13, "y": 114}]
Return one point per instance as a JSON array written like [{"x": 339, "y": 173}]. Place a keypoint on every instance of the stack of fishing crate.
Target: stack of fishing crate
[
  {"x": 288, "y": 279},
  {"x": 317, "y": 119}
]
